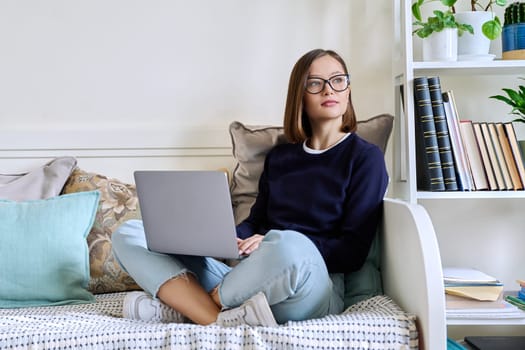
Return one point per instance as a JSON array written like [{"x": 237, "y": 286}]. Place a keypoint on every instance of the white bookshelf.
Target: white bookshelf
[{"x": 469, "y": 225}]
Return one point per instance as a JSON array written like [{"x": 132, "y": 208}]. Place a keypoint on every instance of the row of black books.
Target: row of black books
[{"x": 461, "y": 155}]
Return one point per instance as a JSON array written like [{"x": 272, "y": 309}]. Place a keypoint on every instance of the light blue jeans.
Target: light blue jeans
[{"x": 287, "y": 267}]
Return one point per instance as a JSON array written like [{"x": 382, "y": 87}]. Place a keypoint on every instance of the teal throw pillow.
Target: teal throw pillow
[
  {"x": 44, "y": 256},
  {"x": 365, "y": 282}
]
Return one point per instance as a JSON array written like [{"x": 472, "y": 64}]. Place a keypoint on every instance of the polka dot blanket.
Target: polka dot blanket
[{"x": 375, "y": 323}]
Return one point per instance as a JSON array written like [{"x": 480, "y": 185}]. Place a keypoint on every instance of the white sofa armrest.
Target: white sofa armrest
[{"x": 411, "y": 269}]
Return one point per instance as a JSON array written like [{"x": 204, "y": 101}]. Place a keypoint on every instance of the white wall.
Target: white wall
[
  {"x": 131, "y": 68},
  {"x": 170, "y": 64}
]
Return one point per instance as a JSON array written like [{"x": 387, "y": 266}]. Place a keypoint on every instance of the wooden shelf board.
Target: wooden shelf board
[
  {"x": 470, "y": 67},
  {"x": 470, "y": 194}
]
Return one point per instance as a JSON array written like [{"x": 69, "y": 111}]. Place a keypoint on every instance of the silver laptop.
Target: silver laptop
[{"x": 187, "y": 212}]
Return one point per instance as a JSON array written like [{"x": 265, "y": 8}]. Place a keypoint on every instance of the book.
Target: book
[
  {"x": 499, "y": 155},
  {"x": 459, "y": 307},
  {"x": 506, "y": 311},
  {"x": 516, "y": 152},
  {"x": 454, "y": 303},
  {"x": 493, "y": 158},
  {"x": 442, "y": 133},
  {"x": 464, "y": 177},
  {"x": 521, "y": 294},
  {"x": 456, "y": 274},
  {"x": 516, "y": 301},
  {"x": 499, "y": 342},
  {"x": 509, "y": 158},
  {"x": 491, "y": 178},
  {"x": 473, "y": 155},
  {"x": 428, "y": 163}
]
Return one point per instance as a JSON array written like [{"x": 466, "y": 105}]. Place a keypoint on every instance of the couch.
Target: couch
[{"x": 69, "y": 288}]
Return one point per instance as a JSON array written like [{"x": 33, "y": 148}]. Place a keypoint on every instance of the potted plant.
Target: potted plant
[
  {"x": 439, "y": 32},
  {"x": 513, "y": 37},
  {"x": 516, "y": 100},
  {"x": 487, "y": 26}
]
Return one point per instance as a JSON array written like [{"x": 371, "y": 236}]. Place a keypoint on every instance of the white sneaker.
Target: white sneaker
[
  {"x": 253, "y": 312},
  {"x": 141, "y": 306}
]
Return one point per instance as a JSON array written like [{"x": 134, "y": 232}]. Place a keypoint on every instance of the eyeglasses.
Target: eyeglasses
[{"x": 338, "y": 83}]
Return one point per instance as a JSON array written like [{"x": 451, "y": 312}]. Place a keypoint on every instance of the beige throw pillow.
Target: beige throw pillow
[
  {"x": 250, "y": 146},
  {"x": 118, "y": 203},
  {"x": 252, "y": 143}
]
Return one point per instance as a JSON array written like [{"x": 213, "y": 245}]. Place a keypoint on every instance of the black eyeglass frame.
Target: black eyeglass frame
[{"x": 325, "y": 81}]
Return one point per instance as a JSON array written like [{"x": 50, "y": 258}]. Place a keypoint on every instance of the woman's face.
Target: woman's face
[{"x": 328, "y": 104}]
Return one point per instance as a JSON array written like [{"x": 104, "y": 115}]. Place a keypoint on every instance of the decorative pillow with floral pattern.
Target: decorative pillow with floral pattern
[{"x": 118, "y": 203}]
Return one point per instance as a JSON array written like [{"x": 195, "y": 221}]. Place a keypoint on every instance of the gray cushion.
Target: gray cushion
[{"x": 43, "y": 182}]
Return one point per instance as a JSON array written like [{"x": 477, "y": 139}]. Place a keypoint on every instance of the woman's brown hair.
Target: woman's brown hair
[{"x": 297, "y": 126}]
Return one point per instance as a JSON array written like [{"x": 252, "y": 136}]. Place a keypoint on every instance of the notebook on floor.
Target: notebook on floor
[
  {"x": 187, "y": 212},
  {"x": 496, "y": 342}
]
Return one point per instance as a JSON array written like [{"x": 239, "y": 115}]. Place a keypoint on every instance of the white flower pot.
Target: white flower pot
[
  {"x": 477, "y": 44},
  {"x": 441, "y": 46}
]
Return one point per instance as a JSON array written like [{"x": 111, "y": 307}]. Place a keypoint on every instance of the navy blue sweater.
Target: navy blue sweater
[{"x": 335, "y": 198}]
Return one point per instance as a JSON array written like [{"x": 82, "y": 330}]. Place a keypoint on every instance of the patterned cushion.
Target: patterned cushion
[{"x": 118, "y": 203}]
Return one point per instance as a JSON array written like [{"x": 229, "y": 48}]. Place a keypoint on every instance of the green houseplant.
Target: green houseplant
[
  {"x": 493, "y": 27},
  {"x": 439, "y": 33},
  {"x": 486, "y": 24},
  {"x": 437, "y": 23},
  {"x": 515, "y": 99},
  {"x": 515, "y": 13},
  {"x": 513, "y": 37}
]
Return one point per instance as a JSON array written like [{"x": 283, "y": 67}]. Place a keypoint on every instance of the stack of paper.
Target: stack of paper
[
  {"x": 472, "y": 294},
  {"x": 471, "y": 283},
  {"x": 464, "y": 308}
]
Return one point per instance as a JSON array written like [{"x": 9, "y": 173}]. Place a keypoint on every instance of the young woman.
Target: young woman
[{"x": 320, "y": 200}]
